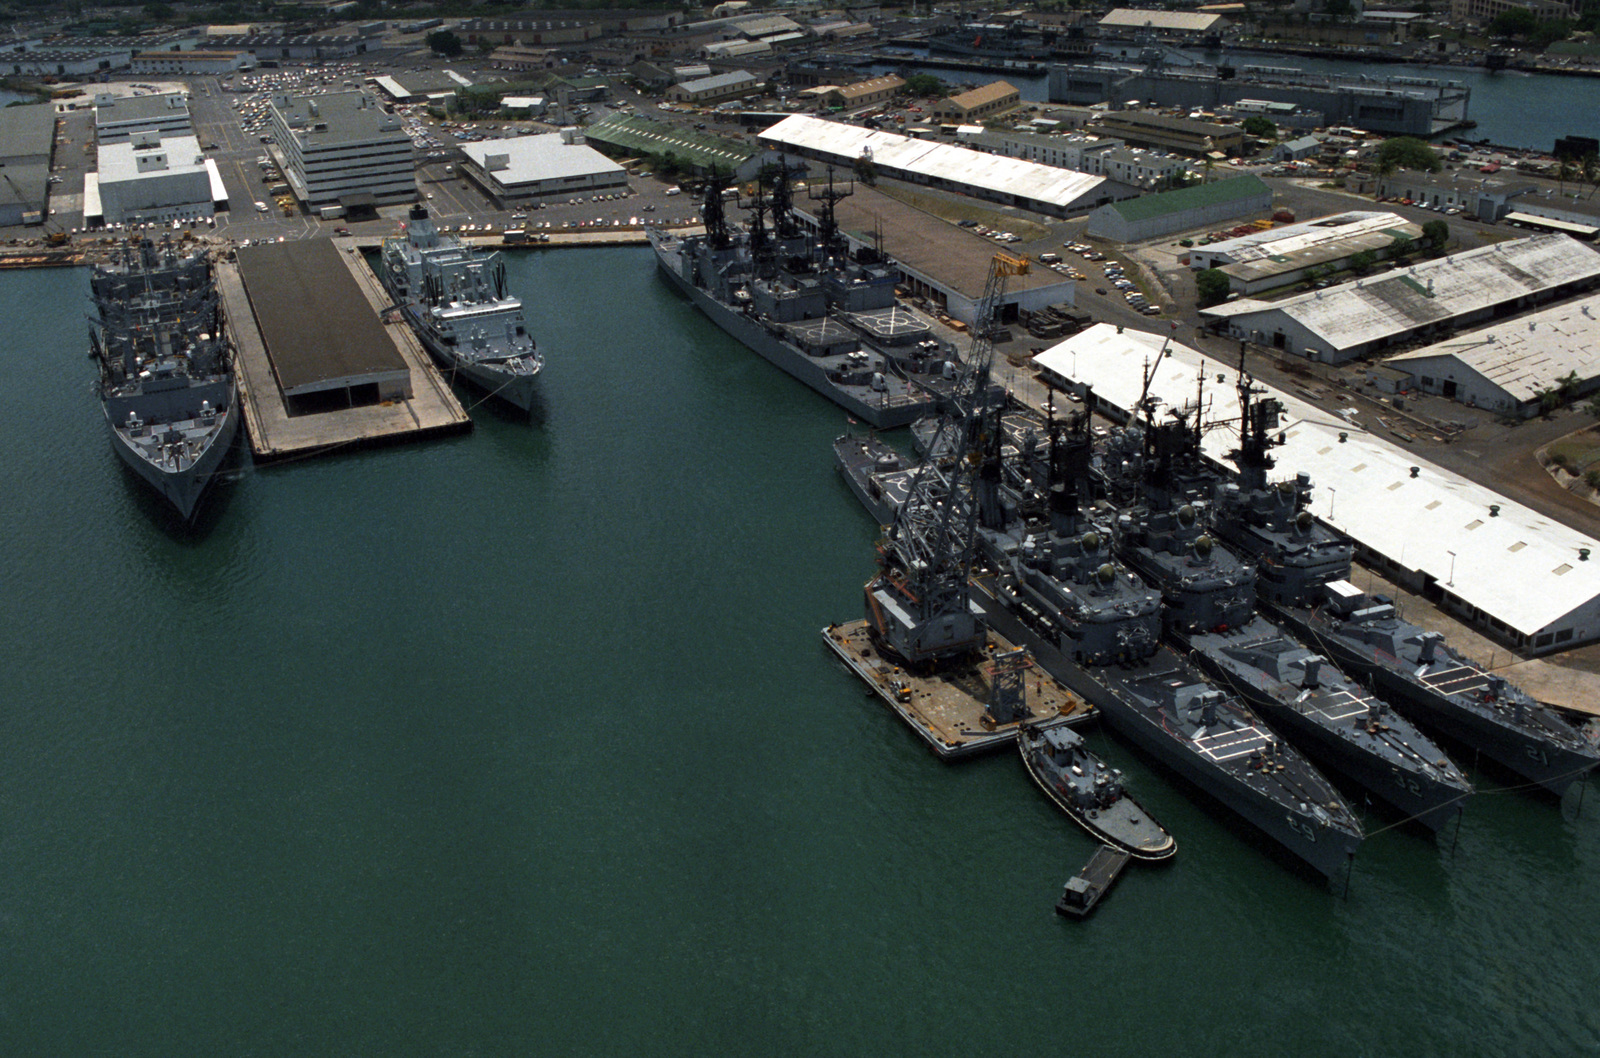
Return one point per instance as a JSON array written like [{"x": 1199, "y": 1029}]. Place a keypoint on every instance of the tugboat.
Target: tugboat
[{"x": 1092, "y": 794}]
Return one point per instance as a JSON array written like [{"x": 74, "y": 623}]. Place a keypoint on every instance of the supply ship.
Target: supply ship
[
  {"x": 166, "y": 368},
  {"x": 454, "y": 296},
  {"x": 805, "y": 305}
]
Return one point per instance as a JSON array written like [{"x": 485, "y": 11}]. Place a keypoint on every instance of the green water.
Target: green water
[{"x": 525, "y": 742}]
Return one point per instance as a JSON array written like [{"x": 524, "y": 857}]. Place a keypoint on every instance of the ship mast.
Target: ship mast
[{"x": 1257, "y": 421}]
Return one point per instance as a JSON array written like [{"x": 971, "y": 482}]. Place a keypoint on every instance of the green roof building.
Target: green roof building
[
  {"x": 630, "y": 134},
  {"x": 1201, "y": 206}
]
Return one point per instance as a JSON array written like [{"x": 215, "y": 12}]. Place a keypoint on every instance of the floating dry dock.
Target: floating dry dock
[
  {"x": 318, "y": 367},
  {"x": 949, "y": 709}
]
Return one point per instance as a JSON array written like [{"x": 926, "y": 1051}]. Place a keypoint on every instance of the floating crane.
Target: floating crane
[{"x": 917, "y": 604}]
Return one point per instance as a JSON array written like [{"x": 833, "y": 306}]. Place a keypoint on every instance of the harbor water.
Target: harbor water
[{"x": 526, "y": 742}]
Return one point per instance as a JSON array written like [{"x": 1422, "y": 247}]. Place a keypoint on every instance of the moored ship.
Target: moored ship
[
  {"x": 166, "y": 370},
  {"x": 455, "y": 298},
  {"x": 1091, "y": 793},
  {"x": 805, "y": 306}
]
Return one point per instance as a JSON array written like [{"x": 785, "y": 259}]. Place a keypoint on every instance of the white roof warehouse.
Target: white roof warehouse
[{"x": 1040, "y": 188}]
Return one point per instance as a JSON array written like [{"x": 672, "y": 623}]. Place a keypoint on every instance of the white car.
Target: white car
[{"x": 261, "y": 207}]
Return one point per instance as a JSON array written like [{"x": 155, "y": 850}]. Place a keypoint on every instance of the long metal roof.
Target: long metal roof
[
  {"x": 1352, "y": 314},
  {"x": 1180, "y": 21},
  {"x": 1517, "y": 566},
  {"x": 1527, "y": 355},
  {"x": 536, "y": 158},
  {"x": 1061, "y": 188}
]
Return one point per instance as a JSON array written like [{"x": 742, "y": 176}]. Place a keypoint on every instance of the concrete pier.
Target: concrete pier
[{"x": 275, "y": 434}]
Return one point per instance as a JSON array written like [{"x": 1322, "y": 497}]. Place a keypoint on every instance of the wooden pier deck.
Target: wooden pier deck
[
  {"x": 949, "y": 709},
  {"x": 274, "y": 434}
]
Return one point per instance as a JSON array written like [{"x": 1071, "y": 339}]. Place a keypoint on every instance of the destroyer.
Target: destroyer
[
  {"x": 166, "y": 371},
  {"x": 806, "y": 307},
  {"x": 454, "y": 296}
]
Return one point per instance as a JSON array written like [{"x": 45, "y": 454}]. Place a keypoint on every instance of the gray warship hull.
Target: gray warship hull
[
  {"x": 185, "y": 485},
  {"x": 1543, "y": 754},
  {"x": 1330, "y": 725},
  {"x": 874, "y": 472},
  {"x": 517, "y": 390},
  {"x": 1325, "y": 848},
  {"x": 882, "y": 411}
]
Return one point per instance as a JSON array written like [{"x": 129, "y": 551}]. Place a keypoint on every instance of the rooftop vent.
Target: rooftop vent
[
  {"x": 1415, "y": 471},
  {"x": 1583, "y": 554}
]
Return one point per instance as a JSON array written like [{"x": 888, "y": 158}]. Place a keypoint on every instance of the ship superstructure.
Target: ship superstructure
[{"x": 455, "y": 298}]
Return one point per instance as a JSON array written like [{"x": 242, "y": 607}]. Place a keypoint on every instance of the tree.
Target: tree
[
  {"x": 1399, "y": 246},
  {"x": 1262, "y": 128},
  {"x": 1212, "y": 286},
  {"x": 1436, "y": 232},
  {"x": 866, "y": 170},
  {"x": 1407, "y": 152},
  {"x": 1362, "y": 260},
  {"x": 924, "y": 84},
  {"x": 444, "y": 42},
  {"x": 1513, "y": 22}
]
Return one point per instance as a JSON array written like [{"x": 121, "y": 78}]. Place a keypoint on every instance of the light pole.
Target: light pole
[
  {"x": 1333, "y": 497},
  {"x": 1452, "y": 580}
]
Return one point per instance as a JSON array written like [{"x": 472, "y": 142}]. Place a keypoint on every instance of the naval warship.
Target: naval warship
[
  {"x": 166, "y": 369},
  {"x": 1093, "y": 623},
  {"x": 1209, "y": 607},
  {"x": 807, "y": 306},
  {"x": 1304, "y": 582},
  {"x": 454, "y": 296},
  {"x": 875, "y": 472}
]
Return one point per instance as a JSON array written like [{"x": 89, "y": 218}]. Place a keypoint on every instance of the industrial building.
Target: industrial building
[
  {"x": 342, "y": 149},
  {"x": 531, "y": 168},
  {"x": 864, "y": 93},
  {"x": 1097, "y": 155},
  {"x": 1508, "y": 366},
  {"x": 1191, "y": 23},
  {"x": 1188, "y": 135},
  {"x": 327, "y": 350},
  {"x": 1187, "y": 209},
  {"x": 1428, "y": 301},
  {"x": 430, "y": 86},
  {"x": 116, "y": 118},
  {"x": 64, "y": 62},
  {"x": 1488, "y": 561},
  {"x": 27, "y": 138},
  {"x": 1489, "y": 198},
  {"x": 977, "y": 103},
  {"x": 733, "y": 85},
  {"x": 150, "y": 177},
  {"x": 194, "y": 62},
  {"x": 632, "y": 135},
  {"x": 938, "y": 261},
  {"x": 1401, "y": 106},
  {"x": 1040, "y": 188},
  {"x": 1278, "y": 256}
]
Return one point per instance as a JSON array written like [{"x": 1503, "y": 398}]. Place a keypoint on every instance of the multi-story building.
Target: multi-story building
[
  {"x": 151, "y": 178},
  {"x": 341, "y": 148},
  {"x": 117, "y": 118},
  {"x": 1482, "y": 11}
]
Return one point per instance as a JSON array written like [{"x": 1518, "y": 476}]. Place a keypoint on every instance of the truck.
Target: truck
[{"x": 331, "y": 212}]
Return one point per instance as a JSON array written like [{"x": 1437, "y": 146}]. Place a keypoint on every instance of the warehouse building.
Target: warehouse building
[
  {"x": 1485, "y": 559},
  {"x": 342, "y": 149},
  {"x": 1187, "y": 209},
  {"x": 27, "y": 137},
  {"x": 1279, "y": 256},
  {"x": 117, "y": 118},
  {"x": 1183, "y": 23},
  {"x": 1509, "y": 366},
  {"x": 195, "y": 62},
  {"x": 151, "y": 178},
  {"x": 1428, "y": 301},
  {"x": 532, "y": 168},
  {"x": 630, "y": 135},
  {"x": 864, "y": 93},
  {"x": 977, "y": 103},
  {"x": 734, "y": 85},
  {"x": 1039, "y": 188}
]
